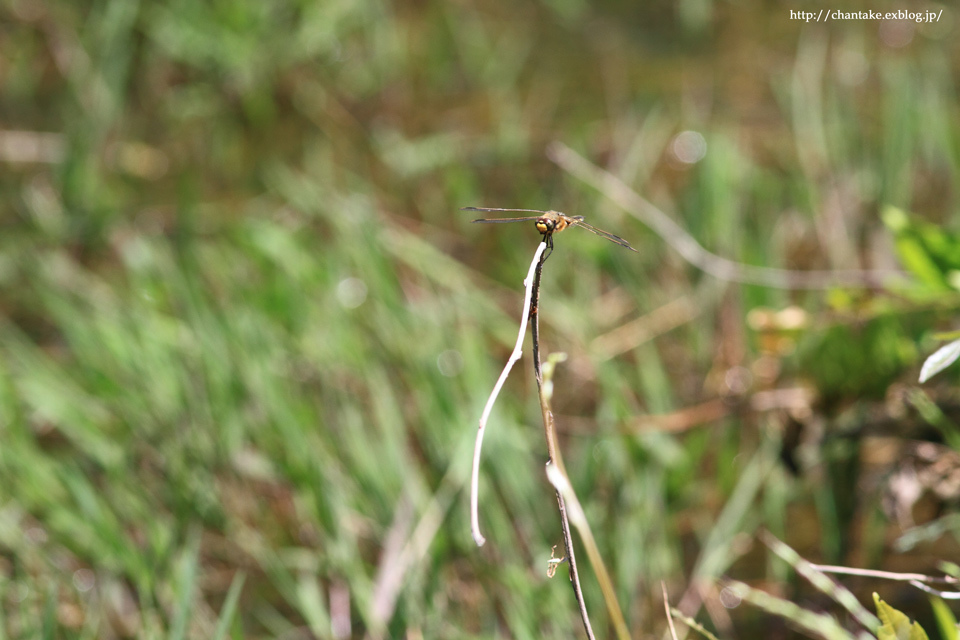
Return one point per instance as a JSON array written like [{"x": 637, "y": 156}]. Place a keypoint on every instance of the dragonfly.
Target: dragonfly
[{"x": 549, "y": 223}]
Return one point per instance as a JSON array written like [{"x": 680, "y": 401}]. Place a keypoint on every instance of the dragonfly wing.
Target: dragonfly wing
[
  {"x": 492, "y": 209},
  {"x": 499, "y": 220},
  {"x": 605, "y": 234}
]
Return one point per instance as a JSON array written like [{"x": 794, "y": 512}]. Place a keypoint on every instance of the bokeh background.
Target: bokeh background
[{"x": 246, "y": 334}]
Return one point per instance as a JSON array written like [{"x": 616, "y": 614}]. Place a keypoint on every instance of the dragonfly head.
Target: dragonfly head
[{"x": 546, "y": 225}]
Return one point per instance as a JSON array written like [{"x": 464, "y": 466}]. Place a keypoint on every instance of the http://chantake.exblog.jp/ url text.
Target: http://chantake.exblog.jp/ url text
[{"x": 824, "y": 15}]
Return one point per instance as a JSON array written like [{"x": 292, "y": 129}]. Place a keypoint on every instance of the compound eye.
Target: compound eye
[{"x": 546, "y": 225}]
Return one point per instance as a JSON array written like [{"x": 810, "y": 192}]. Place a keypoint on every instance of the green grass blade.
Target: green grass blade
[{"x": 229, "y": 606}]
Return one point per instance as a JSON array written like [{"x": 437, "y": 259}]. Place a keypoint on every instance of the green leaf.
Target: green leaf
[
  {"x": 946, "y": 621},
  {"x": 940, "y": 360},
  {"x": 896, "y": 625},
  {"x": 949, "y": 568},
  {"x": 187, "y": 586},
  {"x": 311, "y": 603},
  {"x": 927, "y": 250},
  {"x": 918, "y": 262},
  {"x": 229, "y": 606}
]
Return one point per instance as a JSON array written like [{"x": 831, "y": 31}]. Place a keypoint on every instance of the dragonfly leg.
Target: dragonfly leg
[{"x": 548, "y": 238}]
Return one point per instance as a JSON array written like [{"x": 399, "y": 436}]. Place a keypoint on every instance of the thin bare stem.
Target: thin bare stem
[
  {"x": 561, "y": 483},
  {"x": 946, "y": 595},
  {"x": 545, "y": 384},
  {"x": 666, "y": 607},
  {"x": 886, "y": 575},
  {"x": 517, "y": 351},
  {"x": 545, "y": 390},
  {"x": 691, "y": 250},
  {"x": 567, "y": 501},
  {"x": 555, "y": 469},
  {"x": 810, "y": 571}
]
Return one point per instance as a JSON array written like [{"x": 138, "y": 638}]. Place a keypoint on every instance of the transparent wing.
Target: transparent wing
[
  {"x": 490, "y": 209},
  {"x": 603, "y": 234},
  {"x": 499, "y": 220}
]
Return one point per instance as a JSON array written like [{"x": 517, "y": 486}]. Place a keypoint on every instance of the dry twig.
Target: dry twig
[
  {"x": 666, "y": 606},
  {"x": 691, "y": 250},
  {"x": 567, "y": 502},
  {"x": 919, "y": 580},
  {"x": 517, "y": 350}
]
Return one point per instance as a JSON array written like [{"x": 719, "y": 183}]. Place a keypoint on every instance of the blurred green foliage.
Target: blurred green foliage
[
  {"x": 245, "y": 334},
  {"x": 928, "y": 251}
]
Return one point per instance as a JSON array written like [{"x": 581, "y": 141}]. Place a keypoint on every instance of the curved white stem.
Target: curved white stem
[{"x": 517, "y": 351}]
